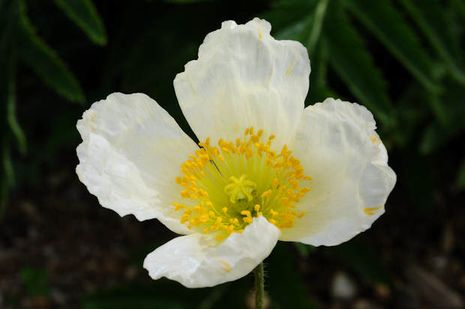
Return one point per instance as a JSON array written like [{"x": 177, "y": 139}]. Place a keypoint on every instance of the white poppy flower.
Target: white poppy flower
[{"x": 267, "y": 168}]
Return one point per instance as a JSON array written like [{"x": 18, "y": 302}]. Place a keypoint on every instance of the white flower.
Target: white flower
[{"x": 266, "y": 170}]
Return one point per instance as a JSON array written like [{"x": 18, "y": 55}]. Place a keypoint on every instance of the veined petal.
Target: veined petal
[
  {"x": 130, "y": 156},
  {"x": 242, "y": 78},
  {"x": 339, "y": 148},
  {"x": 195, "y": 261}
]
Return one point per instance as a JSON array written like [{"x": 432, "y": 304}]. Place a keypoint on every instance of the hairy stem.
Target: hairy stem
[{"x": 259, "y": 286}]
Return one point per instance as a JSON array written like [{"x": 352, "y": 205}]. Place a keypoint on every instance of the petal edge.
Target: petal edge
[
  {"x": 194, "y": 262},
  {"x": 339, "y": 148}
]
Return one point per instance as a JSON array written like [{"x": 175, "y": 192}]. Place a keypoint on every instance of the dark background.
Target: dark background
[{"x": 402, "y": 59}]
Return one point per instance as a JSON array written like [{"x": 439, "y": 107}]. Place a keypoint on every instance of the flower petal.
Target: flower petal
[
  {"x": 244, "y": 77},
  {"x": 130, "y": 156},
  {"x": 339, "y": 148},
  {"x": 194, "y": 261}
]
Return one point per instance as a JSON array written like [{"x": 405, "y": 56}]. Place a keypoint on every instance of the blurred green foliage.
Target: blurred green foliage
[
  {"x": 402, "y": 59},
  {"x": 21, "y": 45},
  {"x": 35, "y": 281}
]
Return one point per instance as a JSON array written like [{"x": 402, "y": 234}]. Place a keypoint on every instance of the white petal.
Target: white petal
[
  {"x": 130, "y": 156},
  {"x": 244, "y": 77},
  {"x": 195, "y": 261},
  {"x": 339, "y": 148}
]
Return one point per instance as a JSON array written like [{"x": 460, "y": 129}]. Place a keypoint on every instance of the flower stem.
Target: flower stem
[{"x": 259, "y": 286}]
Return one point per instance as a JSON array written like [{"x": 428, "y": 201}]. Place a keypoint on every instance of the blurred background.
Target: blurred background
[{"x": 402, "y": 59}]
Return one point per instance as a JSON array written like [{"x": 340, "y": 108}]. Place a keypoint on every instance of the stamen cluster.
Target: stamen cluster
[{"x": 226, "y": 185}]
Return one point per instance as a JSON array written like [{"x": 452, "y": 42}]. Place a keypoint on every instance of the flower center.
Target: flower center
[
  {"x": 226, "y": 185},
  {"x": 240, "y": 189}
]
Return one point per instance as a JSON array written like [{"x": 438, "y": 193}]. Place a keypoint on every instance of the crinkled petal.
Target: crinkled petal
[
  {"x": 244, "y": 77},
  {"x": 339, "y": 148},
  {"x": 130, "y": 156},
  {"x": 195, "y": 261}
]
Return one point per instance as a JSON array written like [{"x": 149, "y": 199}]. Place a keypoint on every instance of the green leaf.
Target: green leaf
[
  {"x": 45, "y": 62},
  {"x": 8, "y": 170},
  {"x": 438, "y": 108},
  {"x": 291, "y": 20},
  {"x": 7, "y": 175},
  {"x": 355, "y": 66},
  {"x": 15, "y": 127},
  {"x": 84, "y": 14},
  {"x": 461, "y": 176},
  {"x": 385, "y": 22},
  {"x": 8, "y": 63},
  {"x": 430, "y": 17},
  {"x": 11, "y": 115},
  {"x": 317, "y": 25},
  {"x": 299, "y": 30},
  {"x": 304, "y": 21},
  {"x": 297, "y": 20},
  {"x": 318, "y": 78},
  {"x": 303, "y": 249},
  {"x": 35, "y": 280}
]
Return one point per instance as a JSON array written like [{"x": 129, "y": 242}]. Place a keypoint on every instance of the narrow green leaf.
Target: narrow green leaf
[
  {"x": 11, "y": 111},
  {"x": 303, "y": 249},
  {"x": 4, "y": 189},
  {"x": 385, "y": 22},
  {"x": 437, "y": 107},
  {"x": 351, "y": 61},
  {"x": 429, "y": 16},
  {"x": 299, "y": 30},
  {"x": 8, "y": 63},
  {"x": 318, "y": 79},
  {"x": 8, "y": 170},
  {"x": 45, "y": 62},
  {"x": 14, "y": 124},
  {"x": 84, "y": 14},
  {"x": 319, "y": 17},
  {"x": 320, "y": 65},
  {"x": 7, "y": 175},
  {"x": 304, "y": 20},
  {"x": 461, "y": 176},
  {"x": 301, "y": 21},
  {"x": 291, "y": 19}
]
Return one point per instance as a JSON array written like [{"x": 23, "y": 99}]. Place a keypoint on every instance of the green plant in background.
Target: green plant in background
[
  {"x": 20, "y": 45},
  {"x": 35, "y": 280}
]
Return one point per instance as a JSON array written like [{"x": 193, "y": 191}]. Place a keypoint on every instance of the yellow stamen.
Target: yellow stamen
[{"x": 224, "y": 187}]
